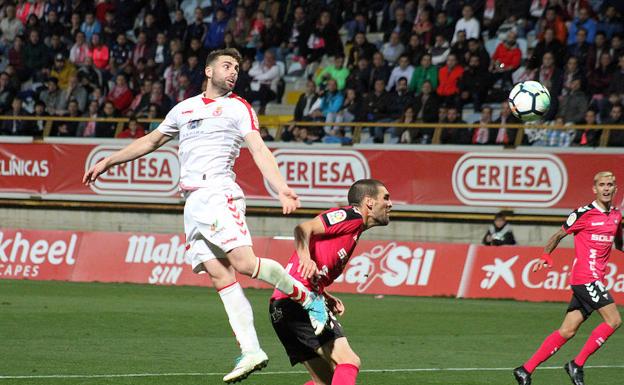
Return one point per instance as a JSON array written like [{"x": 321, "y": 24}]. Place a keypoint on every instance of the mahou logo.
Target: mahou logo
[
  {"x": 390, "y": 264},
  {"x": 168, "y": 257},
  {"x": 321, "y": 175},
  {"x": 520, "y": 180},
  {"x": 155, "y": 174}
]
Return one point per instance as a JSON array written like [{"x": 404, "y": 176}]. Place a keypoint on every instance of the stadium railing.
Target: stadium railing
[{"x": 280, "y": 122}]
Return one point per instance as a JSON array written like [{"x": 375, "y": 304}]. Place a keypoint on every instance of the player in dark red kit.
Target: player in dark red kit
[
  {"x": 595, "y": 227},
  {"x": 323, "y": 248}
]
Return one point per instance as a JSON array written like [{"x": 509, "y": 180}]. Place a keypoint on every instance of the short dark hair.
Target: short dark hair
[
  {"x": 363, "y": 188},
  {"x": 214, "y": 55}
]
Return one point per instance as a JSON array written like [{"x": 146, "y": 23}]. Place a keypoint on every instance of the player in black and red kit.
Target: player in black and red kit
[
  {"x": 323, "y": 248},
  {"x": 595, "y": 227}
]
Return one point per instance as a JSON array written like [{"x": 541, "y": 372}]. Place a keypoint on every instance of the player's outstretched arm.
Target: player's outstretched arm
[
  {"x": 264, "y": 159},
  {"x": 303, "y": 233},
  {"x": 136, "y": 149},
  {"x": 553, "y": 241}
]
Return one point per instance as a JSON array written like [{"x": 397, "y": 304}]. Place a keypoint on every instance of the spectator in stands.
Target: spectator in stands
[
  {"x": 33, "y": 23},
  {"x": 110, "y": 29},
  {"x": 499, "y": 233},
  {"x": 460, "y": 47},
  {"x": 239, "y": 26},
  {"x": 601, "y": 78},
  {"x": 423, "y": 26},
  {"x": 7, "y": 92},
  {"x": 439, "y": 51},
  {"x": 481, "y": 133},
  {"x": 426, "y": 105},
  {"x": 56, "y": 47},
  {"x": 155, "y": 115},
  {"x": 560, "y": 137},
  {"x": 555, "y": 22},
  {"x": 352, "y": 108},
  {"x": 476, "y": 49},
  {"x": 580, "y": 48},
  {"x": 67, "y": 128},
  {"x": 467, "y": 23},
  {"x": 551, "y": 77},
  {"x": 616, "y": 137},
  {"x": 16, "y": 126},
  {"x": 356, "y": 25},
  {"x": 62, "y": 70},
  {"x": 583, "y": 21},
  {"x": 121, "y": 51},
  {"x": 52, "y": 97},
  {"x": 160, "y": 52},
  {"x": 454, "y": 135},
  {"x": 548, "y": 44},
  {"x": 80, "y": 50},
  {"x": 35, "y": 54},
  {"x": 400, "y": 25},
  {"x": 158, "y": 97},
  {"x": 573, "y": 105},
  {"x": 572, "y": 71},
  {"x": 361, "y": 48},
  {"x": 600, "y": 46},
  {"x": 322, "y": 39},
  {"x": 87, "y": 129},
  {"x": 133, "y": 131},
  {"x": 120, "y": 95},
  {"x": 403, "y": 70},
  {"x": 400, "y": 99},
  {"x": 99, "y": 52},
  {"x": 177, "y": 30},
  {"x": 474, "y": 84},
  {"x": 265, "y": 75},
  {"x": 379, "y": 70},
  {"x": 75, "y": 92},
  {"x": 216, "y": 30},
  {"x": 335, "y": 71},
  {"x": 16, "y": 59},
  {"x": 425, "y": 72},
  {"x": 185, "y": 89},
  {"x": 266, "y": 136},
  {"x": 38, "y": 126},
  {"x": 75, "y": 23},
  {"x": 142, "y": 49},
  {"x": 90, "y": 76},
  {"x": 106, "y": 129},
  {"x": 90, "y": 26},
  {"x": 377, "y": 107},
  {"x": 415, "y": 50},
  {"x": 198, "y": 29},
  {"x": 587, "y": 137},
  {"x": 194, "y": 71},
  {"x": 360, "y": 76},
  {"x": 331, "y": 102},
  {"x": 393, "y": 49},
  {"x": 448, "y": 78},
  {"x": 442, "y": 27},
  {"x": 617, "y": 84},
  {"x": 610, "y": 22},
  {"x": 10, "y": 27},
  {"x": 504, "y": 135},
  {"x": 52, "y": 25},
  {"x": 408, "y": 135},
  {"x": 506, "y": 60}
]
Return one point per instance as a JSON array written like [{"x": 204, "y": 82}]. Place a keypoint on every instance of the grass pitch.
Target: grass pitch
[{"x": 87, "y": 333}]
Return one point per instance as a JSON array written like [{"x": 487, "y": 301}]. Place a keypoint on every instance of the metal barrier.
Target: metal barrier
[{"x": 280, "y": 122}]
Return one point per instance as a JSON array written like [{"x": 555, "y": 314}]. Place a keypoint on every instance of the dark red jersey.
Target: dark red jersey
[
  {"x": 331, "y": 251},
  {"x": 594, "y": 232}
]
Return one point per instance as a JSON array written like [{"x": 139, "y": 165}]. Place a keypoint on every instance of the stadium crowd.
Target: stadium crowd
[{"x": 432, "y": 61}]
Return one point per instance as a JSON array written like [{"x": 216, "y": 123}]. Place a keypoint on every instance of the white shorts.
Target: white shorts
[{"x": 214, "y": 223}]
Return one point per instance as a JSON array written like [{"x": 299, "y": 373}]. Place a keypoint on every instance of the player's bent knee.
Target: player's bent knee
[
  {"x": 352, "y": 359},
  {"x": 616, "y": 323},
  {"x": 567, "y": 333}
]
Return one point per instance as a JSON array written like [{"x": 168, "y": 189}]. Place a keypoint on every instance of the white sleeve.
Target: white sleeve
[
  {"x": 248, "y": 121},
  {"x": 169, "y": 126}
]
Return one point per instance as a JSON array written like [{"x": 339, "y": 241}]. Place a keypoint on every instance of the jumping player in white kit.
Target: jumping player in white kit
[{"x": 211, "y": 128}]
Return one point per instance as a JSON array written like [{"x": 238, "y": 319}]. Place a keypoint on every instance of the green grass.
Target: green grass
[{"x": 59, "y": 328}]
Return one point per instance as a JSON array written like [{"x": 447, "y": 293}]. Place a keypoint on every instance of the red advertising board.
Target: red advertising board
[
  {"x": 376, "y": 267},
  {"x": 506, "y": 272},
  {"x": 415, "y": 177}
]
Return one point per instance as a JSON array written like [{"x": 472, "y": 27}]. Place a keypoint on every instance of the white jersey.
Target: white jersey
[{"x": 210, "y": 132}]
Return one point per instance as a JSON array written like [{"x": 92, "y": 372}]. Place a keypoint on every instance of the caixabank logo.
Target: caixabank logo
[
  {"x": 320, "y": 175},
  {"x": 518, "y": 180},
  {"x": 155, "y": 174}
]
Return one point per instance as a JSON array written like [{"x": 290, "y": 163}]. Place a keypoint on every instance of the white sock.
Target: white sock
[
  {"x": 241, "y": 318},
  {"x": 273, "y": 273}
]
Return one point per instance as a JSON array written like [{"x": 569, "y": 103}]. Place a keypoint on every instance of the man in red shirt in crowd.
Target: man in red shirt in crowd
[
  {"x": 448, "y": 78},
  {"x": 595, "y": 228},
  {"x": 323, "y": 248},
  {"x": 506, "y": 59}
]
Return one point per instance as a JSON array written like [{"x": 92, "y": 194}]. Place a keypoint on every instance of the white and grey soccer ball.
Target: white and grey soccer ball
[{"x": 529, "y": 101}]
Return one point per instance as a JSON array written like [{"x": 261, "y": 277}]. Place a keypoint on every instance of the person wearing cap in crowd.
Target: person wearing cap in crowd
[{"x": 62, "y": 70}]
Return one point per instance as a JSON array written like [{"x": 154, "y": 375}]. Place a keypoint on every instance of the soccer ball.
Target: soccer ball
[{"x": 529, "y": 101}]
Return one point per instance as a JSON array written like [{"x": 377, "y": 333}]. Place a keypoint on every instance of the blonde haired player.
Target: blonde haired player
[
  {"x": 596, "y": 227},
  {"x": 211, "y": 128}
]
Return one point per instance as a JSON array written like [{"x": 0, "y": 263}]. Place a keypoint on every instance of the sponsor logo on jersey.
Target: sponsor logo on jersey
[
  {"x": 320, "y": 175},
  {"x": 391, "y": 264},
  {"x": 520, "y": 180},
  {"x": 597, "y": 223},
  {"x": 187, "y": 112},
  {"x": 336, "y": 216},
  {"x": 155, "y": 174},
  {"x": 218, "y": 111},
  {"x": 602, "y": 238}
]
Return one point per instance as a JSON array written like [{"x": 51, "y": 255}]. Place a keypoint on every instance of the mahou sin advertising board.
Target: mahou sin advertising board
[
  {"x": 416, "y": 177},
  {"x": 375, "y": 267}
]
